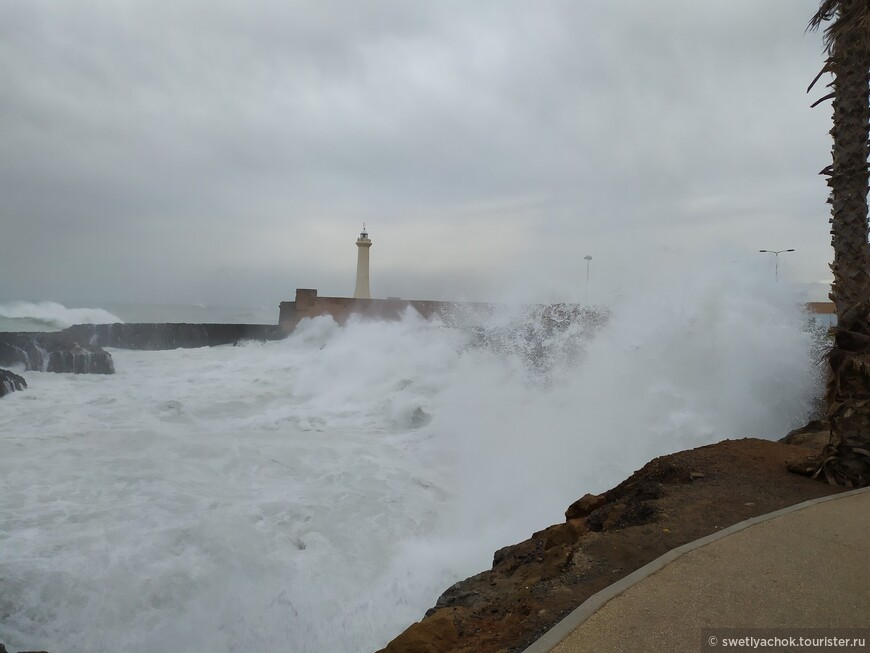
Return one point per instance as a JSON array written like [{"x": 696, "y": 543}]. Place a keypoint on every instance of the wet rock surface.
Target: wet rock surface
[
  {"x": 4, "y": 650},
  {"x": 672, "y": 500},
  {"x": 44, "y": 352},
  {"x": 79, "y": 349},
  {"x": 10, "y": 382},
  {"x": 816, "y": 434}
]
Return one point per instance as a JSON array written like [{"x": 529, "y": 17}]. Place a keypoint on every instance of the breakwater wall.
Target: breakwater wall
[
  {"x": 154, "y": 336},
  {"x": 309, "y": 304}
]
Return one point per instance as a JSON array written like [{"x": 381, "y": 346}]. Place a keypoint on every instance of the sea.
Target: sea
[{"x": 317, "y": 494}]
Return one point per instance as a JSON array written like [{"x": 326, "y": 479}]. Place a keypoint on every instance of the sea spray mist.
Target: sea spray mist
[{"x": 320, "y": 492}]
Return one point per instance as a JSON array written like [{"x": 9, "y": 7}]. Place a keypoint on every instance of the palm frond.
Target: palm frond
[
  {"x": 827, "y": 10},
  {"x": 822, "y": 99},
  {"x": 846, "y": 16},
  {"x": 825, "y": 69}
]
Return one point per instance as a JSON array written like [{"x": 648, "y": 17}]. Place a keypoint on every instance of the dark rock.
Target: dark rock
[
  {"x": 621, "y": 515},
  {"x": 810, "y": 427},
  {"x": 562, "y": 534},
  {"x": 3, "y": 650},
  {"x": 78, "y": 348},
  {"x": 631, "y": 502},
  {"x": 584, "y": 506},
  {"x": 544, "y": 555},
  {"x": 815, "y": 435},
  {"x": 10, "y": 382},
  {"x": 437, "y": 633},
  {"x": 458, "y": 593},
  {"x": 44, "y": 352},
  {"x": 647, "y": 490}
]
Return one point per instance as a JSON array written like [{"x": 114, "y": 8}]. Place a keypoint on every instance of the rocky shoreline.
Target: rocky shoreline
[
  {"x": 53, "y": 352},
  {"x": 4, "y": 650},
  {"x": 10, "y": 382},
  {"x": 671, "y": 501},
  {"x": 79, "y": 349}
]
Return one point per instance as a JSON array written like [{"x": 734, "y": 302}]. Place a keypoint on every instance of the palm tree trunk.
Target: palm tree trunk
[{"x": 847, "y": 457}]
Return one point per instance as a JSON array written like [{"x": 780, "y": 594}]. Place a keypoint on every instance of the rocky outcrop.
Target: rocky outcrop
[
  {"x": 584, "y": 506},
  {"x": 153, "y": 336},
  {"x": 815, "y": 435},
  {"x": 3, "y": 650},
  {"x": 78, "y": 349},
  {"x": 10, "y": 382},
  {"x": 672, "y": 500},
  {"x": 43, "y": 352}
]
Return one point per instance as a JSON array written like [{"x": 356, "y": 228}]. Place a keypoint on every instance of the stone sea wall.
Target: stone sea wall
[
  {"x": 78, "y": 349},
  {"x": 154, "y": 336},
  {"x": 309, "y": 304}
]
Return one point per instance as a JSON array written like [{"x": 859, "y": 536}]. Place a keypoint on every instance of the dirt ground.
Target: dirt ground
[{"x": 672, "y": 500}]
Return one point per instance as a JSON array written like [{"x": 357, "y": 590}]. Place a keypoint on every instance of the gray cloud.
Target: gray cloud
[{"x": 189, "y": 150}]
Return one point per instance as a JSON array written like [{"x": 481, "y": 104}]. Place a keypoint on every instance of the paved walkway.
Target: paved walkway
[{"x": 802, "y": 568}]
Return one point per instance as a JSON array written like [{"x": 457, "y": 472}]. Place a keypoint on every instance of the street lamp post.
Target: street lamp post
[
  {"x": 776, "y": 254},
  {"x": 587, "y": 258}
]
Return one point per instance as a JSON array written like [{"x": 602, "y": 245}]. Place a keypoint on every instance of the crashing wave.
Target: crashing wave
[{"x": 53, "y": 315}]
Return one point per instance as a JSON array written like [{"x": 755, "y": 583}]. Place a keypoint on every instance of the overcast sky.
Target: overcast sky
[{"x": 229, "y": 152}]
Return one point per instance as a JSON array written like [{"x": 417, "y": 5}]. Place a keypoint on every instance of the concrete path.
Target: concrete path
[{"x": 788, "y": 573}]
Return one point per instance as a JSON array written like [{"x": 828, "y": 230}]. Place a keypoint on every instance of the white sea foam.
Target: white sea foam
[
  {"x": 30, "y": 316},
  {"x": 317, "y": 494}
]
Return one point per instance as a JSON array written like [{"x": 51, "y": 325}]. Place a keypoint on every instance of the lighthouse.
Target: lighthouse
[{"x": 362, "y": 266}]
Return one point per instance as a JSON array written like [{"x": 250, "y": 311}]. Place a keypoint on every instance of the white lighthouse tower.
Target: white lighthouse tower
[{"x": 362, "y": 266}]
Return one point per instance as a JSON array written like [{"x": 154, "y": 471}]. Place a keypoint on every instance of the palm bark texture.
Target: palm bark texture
[{"x": 846, "y": 459}]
